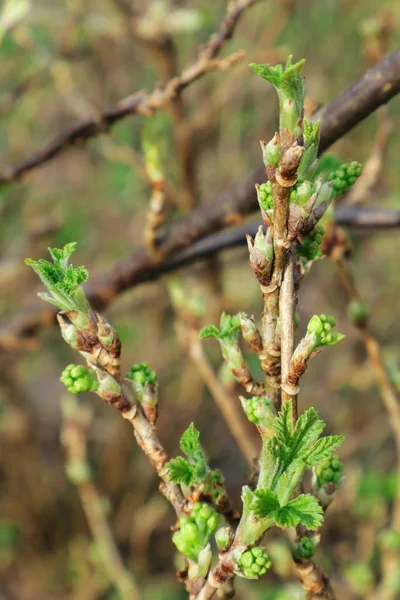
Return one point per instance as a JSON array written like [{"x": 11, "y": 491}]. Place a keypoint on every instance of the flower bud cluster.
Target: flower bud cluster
[
  {"x": 304, "y": 548},
  {"x": 309, "y": 248},
  {"x": 321, "y": 326},
  {"x": 329, "y": 471},
  {"x": 195, "y": 531},
  {"x": 254, "y": 563},
  {"x": 78, "y": 378},
  {"x": 344, "y": 177}
]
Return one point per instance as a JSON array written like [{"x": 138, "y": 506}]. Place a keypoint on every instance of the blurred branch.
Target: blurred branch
[
  {"x": 141, "y": 102},
  {"x": 364, "y": 96},
  {"x": 77, "y": 419},
  {"x": 138, "y": 268}
]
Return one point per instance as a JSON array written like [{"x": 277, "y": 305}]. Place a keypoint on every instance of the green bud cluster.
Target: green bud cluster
[
  {"x": 254, "y": 563},
  {"x": 321, "y": 326},
  {"x": 141, "y": 374},
  {"x": 302, "y": 192},
  {"x": 264, "y": 196},
  {"x": 389, "y": 539},
  {"x": 259, "y": 410},
  {"x": 194, "y": 531},
  {"x": 329, "y": 471},
  {"x": 343, "y": 178},
  {"x": 309, "y": 249},
  {"x": 304, "y": 548},
  {"x": 78, "y": 378}
]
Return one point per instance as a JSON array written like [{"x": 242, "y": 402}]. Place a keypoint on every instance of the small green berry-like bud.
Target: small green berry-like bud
[
  {"x": 264, "y": 196},
  {"x": 141, "y": 374},
  {"x": 321, "y": 327},
  {"x": 344, "y": 177},
  {"x": 254, "y": 563},
  {"x": 259, "y": 411},
  {"x": 358, "y": 312},
  {"x": 309, "y": 248},
  {"x": 304, "y": 548},
  {"x": 329, "y": 471},
  {"x": 78, "y": 378}
]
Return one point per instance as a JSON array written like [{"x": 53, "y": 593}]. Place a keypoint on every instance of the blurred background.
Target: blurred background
[{"x": 65, "y": 61}]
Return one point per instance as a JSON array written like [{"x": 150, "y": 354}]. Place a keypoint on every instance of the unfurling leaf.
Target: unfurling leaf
[
  {"x": 265, "y": 503},
  {"x": 181, "y": 471},
  {"x": 190, "y": 442},
  {"x": 304, "y": 509}
]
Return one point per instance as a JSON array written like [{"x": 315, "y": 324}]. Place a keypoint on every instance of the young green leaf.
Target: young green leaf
[
  {"x": 304, "y": 509},
  {"x": 209, "y": 331},
  {"x": 265, "y": 503},
  {"x": 62, "y": 280},
  {"x": 190, "y": 442},
  {"x": 322, "y": 449},
  {"x": 181, "y": 471}
]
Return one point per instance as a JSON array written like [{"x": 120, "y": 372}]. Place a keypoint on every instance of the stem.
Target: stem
[
  {"x": 315, "y": 583},
  {"x": 287, "y": 307}
]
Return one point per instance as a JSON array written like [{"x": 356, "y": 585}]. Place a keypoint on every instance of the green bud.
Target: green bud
[
  {"x": 271, "y": 152},
  {"x": 78, "y": 378},
  {"x": 304, "y": 548},
  {"x": 223, "y": 538},
  {"x": 358, "y": 311},
  {"x": 141, "y": 374},
  {"x": 329, "y": 471},
  {"x": 309, "y": 249},
  {"x": 264, "y": 196},
  {"x": 254, "y": 563},
  {"x": 320, "y": 326},
  {"x": 343, "y": 178},
  {"x": 259, "y": 411}
]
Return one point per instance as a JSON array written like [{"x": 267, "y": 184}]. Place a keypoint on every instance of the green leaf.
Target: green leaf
[
  {"x": 209, "y": 331},
  {"x": 229, "y": 326},
  {"x": 190, "y": 442},
  {"x": 289, "y": 84},
  {"x": 304, "y": 509},
  {"x": 283, "y": 425},
  {"x": 322, "y": 449},
  {"x": 265, "y": 503},
  {"x": 181, "y": 471},
  {"x": 62, "y": 280},
  {"x": 308, "y": 429}
]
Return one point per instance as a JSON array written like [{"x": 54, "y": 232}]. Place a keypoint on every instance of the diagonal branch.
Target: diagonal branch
[
  {"x": 376, "y": 87},
  {"x": 140, "y": 103}
]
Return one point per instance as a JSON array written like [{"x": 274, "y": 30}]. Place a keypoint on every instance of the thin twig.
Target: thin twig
[
  {"x": 74, "y": 439},
  {"x": 140, "y": 103},
  {"x": 389, "y": 557}
]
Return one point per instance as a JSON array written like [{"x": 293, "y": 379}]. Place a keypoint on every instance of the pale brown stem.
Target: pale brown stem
[
  {"x": 315, "y": 583},
  {"x": 74, "y": 439},
  {"x": 287, "y": 307}
]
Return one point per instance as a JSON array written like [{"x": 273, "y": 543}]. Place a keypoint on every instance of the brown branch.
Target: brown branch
[
  {"x": 376, "y": 87},
  {"x": 140, "y": 103}
]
